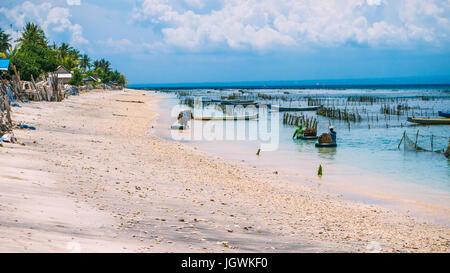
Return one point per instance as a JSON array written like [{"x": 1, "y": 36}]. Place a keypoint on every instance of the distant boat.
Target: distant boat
[
  {"x": 247, "y": 117},
  {"x": 239, "y": 103},
  {"x": 285, "y": 109},
  {"x": 235, "y": 102},
  {"x": 429, "y": 121},
  {"x": 445, "y": 115}
]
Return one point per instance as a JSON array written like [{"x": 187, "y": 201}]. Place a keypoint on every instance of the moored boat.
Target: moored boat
[
  {"x": 286, "y": 109},
  {"x": 443, "y": 114},
  {"x": 245, "y": 103},
  {"x": 235, "y": 102},
  {"x": 246, "y": 117},
  {"x": 429, "y": 121}
]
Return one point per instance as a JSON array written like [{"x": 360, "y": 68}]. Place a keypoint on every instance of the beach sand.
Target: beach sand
[{"x": 91, "y": 178}]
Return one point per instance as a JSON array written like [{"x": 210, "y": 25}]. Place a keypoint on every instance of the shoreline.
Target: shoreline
[
  {"x": 131, "y": 192},
  {"x": 403, "y": 196}
]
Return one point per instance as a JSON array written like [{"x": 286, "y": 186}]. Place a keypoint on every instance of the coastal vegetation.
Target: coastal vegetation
[{"x": 33, "y": 56}]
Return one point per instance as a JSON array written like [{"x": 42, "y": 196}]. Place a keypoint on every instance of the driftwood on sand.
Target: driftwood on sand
[{"x": 5, "y": 109}]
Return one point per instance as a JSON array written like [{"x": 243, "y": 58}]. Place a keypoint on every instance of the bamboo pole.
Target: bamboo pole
[
  {"x": 417, "y": 137},
  {"x": 432, "y": 142},
  {"x": 404, "y": 133}
]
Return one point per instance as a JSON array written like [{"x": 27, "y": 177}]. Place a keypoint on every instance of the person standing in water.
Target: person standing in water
[
  {"x": 332, "y": 134},
  {"x": 299, "y": 131},
  {"x": 184, "y": 117}
]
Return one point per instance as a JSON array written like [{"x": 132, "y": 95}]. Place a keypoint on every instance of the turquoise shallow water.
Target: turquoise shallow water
[{"x": 367, "y": 157}]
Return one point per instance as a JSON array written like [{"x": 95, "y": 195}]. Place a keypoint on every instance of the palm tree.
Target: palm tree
[
  {"x": 96, "y": 64},
  {"x": 63, "y": 51},
  {"x": 85, "y": 62},
  {"x": 34, "y": 34},
  {"x": 4, "y": 41},
  {"x": 12, "y": 51},
  {"x": 103, "y": 64}
]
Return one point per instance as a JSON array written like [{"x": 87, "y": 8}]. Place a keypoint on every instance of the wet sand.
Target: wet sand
[{"x": 91, "y": 178}]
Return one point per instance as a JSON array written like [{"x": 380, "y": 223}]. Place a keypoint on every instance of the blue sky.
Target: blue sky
[{"x": 173, "y": 41}]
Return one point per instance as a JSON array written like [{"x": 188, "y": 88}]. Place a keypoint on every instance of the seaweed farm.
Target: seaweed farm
[{"x": 373, "y": 135}]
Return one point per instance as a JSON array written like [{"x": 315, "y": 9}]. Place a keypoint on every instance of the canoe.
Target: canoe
[
  {"x": 328, "y": 145},
  {"x": 308, "y": 137},
  {"x": 285, "y": 109},
  {"x": 429, "y": 121},
  {"x": 445, "y": 115},
  {"x": 239, "y": 103},
  {"x": 247, "y": 117}
]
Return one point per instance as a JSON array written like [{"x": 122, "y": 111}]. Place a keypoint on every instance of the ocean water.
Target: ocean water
[{"x": 367, "y": 165}]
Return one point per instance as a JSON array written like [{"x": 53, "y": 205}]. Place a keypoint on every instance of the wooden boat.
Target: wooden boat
[
  {"x": 445, "y": 115},
  {"x": 239, "y": 103},
  {"x": 285, "y": 109},
  {"x": 326, "y": 145},
  {"x": 308, "y": 137},
  {"x": 235, "y": 102},
  {"x": 247, "y": 117},
  {"x": 429, "y": 121}
]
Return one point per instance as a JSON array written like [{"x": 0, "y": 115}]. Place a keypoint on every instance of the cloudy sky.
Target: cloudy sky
[{"x": 172, "y": 41}]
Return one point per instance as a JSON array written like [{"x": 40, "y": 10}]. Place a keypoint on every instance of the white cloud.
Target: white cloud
[
  {"x": 269, "y": 24},
  {"x": 51, "y": 18},
  {"x": 125, "y": 45}
]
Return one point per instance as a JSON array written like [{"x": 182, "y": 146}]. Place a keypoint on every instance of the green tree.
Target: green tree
[
  {"x": 33, "y": 59},
  {"x": 4, "y": 41},
  {"x": 33, "y": 34},
  {"x": 85, "y": 62},
  {"x": 102, "y": 64},
  {"x": 122, "y": 80},
  {"x": 63, "y": 51},
  {"x": 77, "y": 78},
  {"x": 67, "y": 56}
]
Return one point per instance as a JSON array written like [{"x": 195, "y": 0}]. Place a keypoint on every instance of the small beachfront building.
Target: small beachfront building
[
  {"x": 64, "y": 75},
  {"x": 89, "y": 80}
]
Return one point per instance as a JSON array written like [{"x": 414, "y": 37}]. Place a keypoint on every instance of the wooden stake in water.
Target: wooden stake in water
[
  {"x": 404, "y": 133},
  {"x": 432, "y": 142},
  {"x": 417, "y": 137}
]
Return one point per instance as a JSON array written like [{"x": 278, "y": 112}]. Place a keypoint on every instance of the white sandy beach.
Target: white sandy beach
[{"x": 91, "y": 178}]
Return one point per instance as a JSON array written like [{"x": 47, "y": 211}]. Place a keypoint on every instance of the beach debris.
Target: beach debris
[
  {"x": 258, "y": 152},
  {"x": 131, "y": 101},
  {"x": 226, "y": 244},
  {"x": 319, "y": 171},
  {"x": 8, "y": 138},
  {"x": 25, "y": 126}
]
